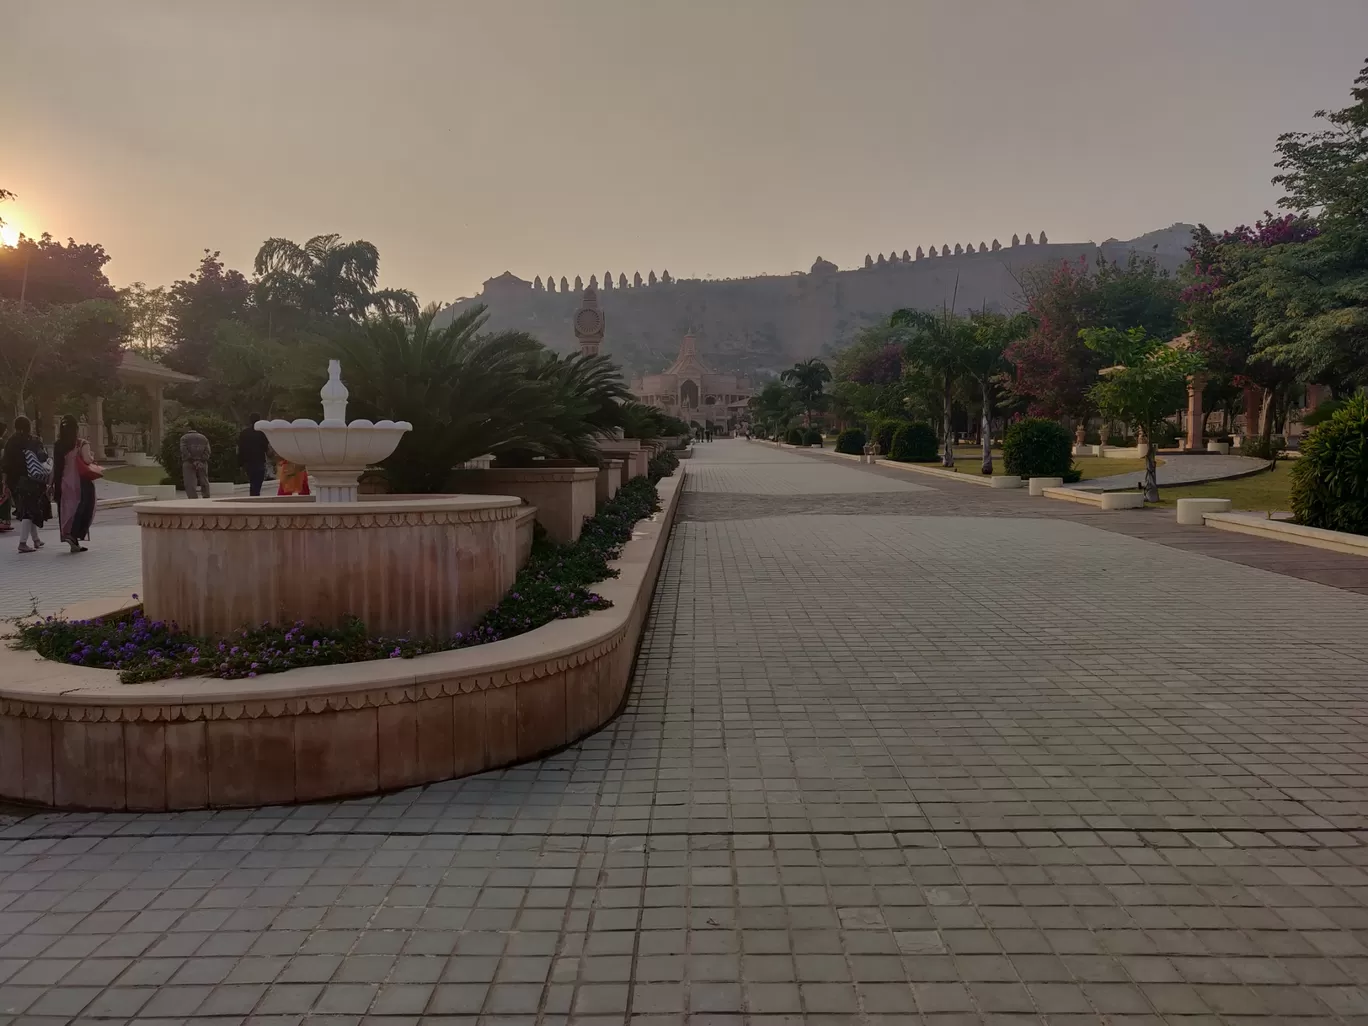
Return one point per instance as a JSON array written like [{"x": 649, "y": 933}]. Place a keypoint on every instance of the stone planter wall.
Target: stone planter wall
[
  {"x": 76, "y": 738},
  {"x": 609, "y": 481},
  {"x": 564, "y": 496}
]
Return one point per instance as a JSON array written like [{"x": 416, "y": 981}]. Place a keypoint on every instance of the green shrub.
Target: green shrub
[
  {"x": 1072, "y": 476},
  {"x": 1330, "y": 479},
  {"x": 913, "y": 443},
  {"x": 662, "y": 465},
  {"x": 851, "y": 441},
  {"x": 222, "y": 435},
  {"x": 812, "y": 436},
  {"x": 1037, "y": 447},
  {"x": 1261, "y": 450},
  {"x": 795, "y": 437},
  {"x": 1116, "y": 441},
  {"x": 883, "y": 433}
]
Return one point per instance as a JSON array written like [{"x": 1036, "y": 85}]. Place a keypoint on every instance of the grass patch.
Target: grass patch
[
  {"x": 553, "y": 586},
  {"x": 1264, "y": 492},
  {"x": 1094, "y": 467},
  {"x": 135, "y": 475}
]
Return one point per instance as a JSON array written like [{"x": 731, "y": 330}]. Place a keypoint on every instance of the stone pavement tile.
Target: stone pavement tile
[{"x": 891, "y": 755}]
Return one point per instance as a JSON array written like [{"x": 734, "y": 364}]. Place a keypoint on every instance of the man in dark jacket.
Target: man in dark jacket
[{"x": 252, "y": 447}]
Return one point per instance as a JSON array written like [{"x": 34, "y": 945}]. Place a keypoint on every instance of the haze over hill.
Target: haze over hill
[{"x": 757, "y": 326}]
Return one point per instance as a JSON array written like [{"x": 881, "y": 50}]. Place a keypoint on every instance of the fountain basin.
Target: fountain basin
[{"x": 408, "y": 566}]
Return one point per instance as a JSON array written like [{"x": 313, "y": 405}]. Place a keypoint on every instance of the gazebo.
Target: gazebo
[{"x": 136, "y": 369}]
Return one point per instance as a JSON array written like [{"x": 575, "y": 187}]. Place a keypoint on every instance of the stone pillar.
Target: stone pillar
[
  {"x": 95, "y": 428},
  {"x": 1196, "y": 418},
  {"x": 158, "y": 423},
  {"x": 1253, "y": 408}
]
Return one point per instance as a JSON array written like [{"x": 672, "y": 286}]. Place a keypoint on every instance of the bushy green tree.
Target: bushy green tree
[
  {"x": 1144, "y": 382},
  {"x": 1330, "y": 478}
]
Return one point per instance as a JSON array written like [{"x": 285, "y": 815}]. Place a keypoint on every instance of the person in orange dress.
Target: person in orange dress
[{"x": 293, "y": 478}]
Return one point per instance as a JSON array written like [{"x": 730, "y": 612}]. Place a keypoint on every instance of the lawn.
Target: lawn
[
  {"x": 135, "y": 475},
  {"x": 1266, "y": 491}
]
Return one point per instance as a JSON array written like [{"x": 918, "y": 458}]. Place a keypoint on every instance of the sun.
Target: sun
[{"x": 9, "y": 234}]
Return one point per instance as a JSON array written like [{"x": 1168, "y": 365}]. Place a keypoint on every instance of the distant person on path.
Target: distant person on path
[
  {"x": 27, "y": 474},
  {"x": 73, "y": 475},
  {"x": 6, "y": 500},
  {"x": 293, "y": 477},
  {"x": 195, "y": 452},
  {"x": 252, "y": 447}
]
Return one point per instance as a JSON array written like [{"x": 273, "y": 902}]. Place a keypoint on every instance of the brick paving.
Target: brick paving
[{"x": 966, "y": 760}]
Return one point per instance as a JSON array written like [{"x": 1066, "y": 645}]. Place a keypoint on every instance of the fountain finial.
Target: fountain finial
[{"x": 334, "y": 394}]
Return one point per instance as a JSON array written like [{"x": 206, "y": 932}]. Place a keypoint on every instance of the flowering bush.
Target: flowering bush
[{"x": 554, "y": 585}]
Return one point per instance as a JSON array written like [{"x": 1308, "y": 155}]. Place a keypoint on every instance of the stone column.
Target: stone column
[
  {"x": 1196, "y": 418},
  {"x": 1253, "y": 408},
  {"x": 158, "y": 422},
  {"x": 95, "y": 419}
]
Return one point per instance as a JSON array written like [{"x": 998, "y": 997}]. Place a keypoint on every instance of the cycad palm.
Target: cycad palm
[
  {"x": 466, "y": 393},
  {"x": 328, "y": 277}
]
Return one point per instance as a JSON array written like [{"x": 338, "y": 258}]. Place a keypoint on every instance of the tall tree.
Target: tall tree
[
  {"x": 983, "y": 356},
  {"x": 808, "y": 378},
  {"x": 327, "y": 277},
  {"x": 938, "y": 343},
  {"x": 197, "y": 305},
  {"x": 44, "y": 272},
  {"x": 1144, "y": 382},
  {"x": 147, "y": 313}
]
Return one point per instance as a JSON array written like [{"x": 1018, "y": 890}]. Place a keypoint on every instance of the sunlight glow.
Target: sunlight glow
[{"x": 9, "y": 234}]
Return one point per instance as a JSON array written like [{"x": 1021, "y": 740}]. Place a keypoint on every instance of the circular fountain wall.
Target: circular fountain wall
[{"x": 407, "y": 566}]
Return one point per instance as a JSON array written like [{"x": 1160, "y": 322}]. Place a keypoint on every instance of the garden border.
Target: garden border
[
  {"x": 1285, "y": 531},
  {"x": 76, "y": 738}
]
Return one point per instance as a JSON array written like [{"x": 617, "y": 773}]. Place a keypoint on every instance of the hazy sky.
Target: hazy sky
[{"x": 466, "y": 137}]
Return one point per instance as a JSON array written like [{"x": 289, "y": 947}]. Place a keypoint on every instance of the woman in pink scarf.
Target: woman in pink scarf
[{"x": 73, "y": 473}]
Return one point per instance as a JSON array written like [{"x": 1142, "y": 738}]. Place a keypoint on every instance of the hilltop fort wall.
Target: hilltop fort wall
[{"x": 765, "y": 323}]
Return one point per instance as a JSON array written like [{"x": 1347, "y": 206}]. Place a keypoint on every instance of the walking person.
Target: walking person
[
  {"x": 6, "y": 499},
  {"x": 74, "y": 471},
  {"x": 195, "y": 453},
  {"x": 252, "y": 447},
  {"x": 27, "y": 473}
]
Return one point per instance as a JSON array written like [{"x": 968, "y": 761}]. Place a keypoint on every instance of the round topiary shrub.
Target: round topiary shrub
[
  {"x": 883, "y": 433},
  {"x": 914, "y": 443},
  {"x": 851, "y": 441},
  {"x": 1330, "y": 479},
  {"x": 795, "y": 436},
  {"x": 1037, "y": 447},
  {"x": 222, "y": 435},
  {"x": 812, "y": 436}
]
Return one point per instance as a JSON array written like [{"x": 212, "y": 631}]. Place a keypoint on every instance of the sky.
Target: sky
[{"x": 708, "y": 137}]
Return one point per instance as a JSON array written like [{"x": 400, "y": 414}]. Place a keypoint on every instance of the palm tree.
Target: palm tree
[
  {"x": 982, "y": 357},
  {"x": 465, "y": 392},
  {"x": 937, "y": 344},
  {"x": 329, "y": 278},
  {"x": 808, "y": 379}
]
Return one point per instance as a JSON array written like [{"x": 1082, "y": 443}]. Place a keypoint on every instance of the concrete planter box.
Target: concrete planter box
[
  {"x": 1191, "y": 511},
  {"x": 564, "y": 496},
  {"x": 157, "y": 492},
  {"x": 1261, "y": 526},
  {"x": 609, "y": 481},
  {"x": 629, "y": 450},
  {"x": 1221, "y": 447},
  {"x": 1037, "y": 485},
  {"x": 221, "y": 489},
  {"x": 1123, "y": 500},
  {"x": 1005, "y": 481}
]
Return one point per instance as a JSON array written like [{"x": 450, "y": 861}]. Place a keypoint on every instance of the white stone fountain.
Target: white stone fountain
[{"x": 334, "y": 452}]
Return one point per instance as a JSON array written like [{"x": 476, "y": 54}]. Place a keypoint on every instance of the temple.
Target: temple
[{"x": 690, "y": 391}]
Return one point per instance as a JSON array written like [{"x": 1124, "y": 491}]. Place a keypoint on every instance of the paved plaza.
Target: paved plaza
[{"x": 899, "y": 750}]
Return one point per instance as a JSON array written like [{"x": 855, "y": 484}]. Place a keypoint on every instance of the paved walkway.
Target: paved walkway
[
  {"x": 1177, "y": 469},
  {"x": 51, "y": 579},
  {"x": 896, "y": 753}
]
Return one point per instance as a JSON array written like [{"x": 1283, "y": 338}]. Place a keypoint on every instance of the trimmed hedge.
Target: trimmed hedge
[
  {"x": 795, "y": 437},
  {"x": 851, "y": 441},
  {"x": 1037, "y": 447},
  {"x": 914, "y": 443},
  {"x": 662, "y": 465},
  {"x": 222, "y": 435},
  {"x": 812, "y": 436},
  {"x": 883, "y": 433},
  {"x": 1330, "y": 478}
]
